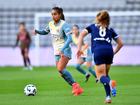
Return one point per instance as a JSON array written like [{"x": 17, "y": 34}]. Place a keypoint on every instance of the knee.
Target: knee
[
  {"x": 60, "y": 68},
  {"x": 99, "y": 76},
  {"x": 100, "y": 73},
  {"x": 25, "y": 55}
]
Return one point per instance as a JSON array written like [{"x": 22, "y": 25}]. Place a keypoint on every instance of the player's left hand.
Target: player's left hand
[
  {"x": 79, "y": 53},
  {"x": 33, "y": 32}
]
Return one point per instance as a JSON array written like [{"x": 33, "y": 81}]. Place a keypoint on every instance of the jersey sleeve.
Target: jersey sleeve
[
  {"x": 43, "y": 32},
  {"x": 114, "y": 34},
  {"x": 67, "y": 30},
  {"x": 47, "y": 29},
  {"x": 88, "y": 29}
]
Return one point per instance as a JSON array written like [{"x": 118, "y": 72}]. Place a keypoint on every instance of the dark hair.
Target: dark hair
[
  {"x": 62, "y": 15},
  {"x": 22, "y": 23},
  {"x": 75, "y": 25},
  {"x": 103, "y": 18},
  {"x": 60, "y": 11}
]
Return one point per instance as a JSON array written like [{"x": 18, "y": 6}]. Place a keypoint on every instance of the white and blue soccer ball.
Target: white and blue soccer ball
[{"x": 30, "y": 90}]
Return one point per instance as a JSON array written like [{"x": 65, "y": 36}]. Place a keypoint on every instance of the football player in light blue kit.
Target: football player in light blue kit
[
  {"x": 61, "y": 39},
  {"x": 86, "y": 55},
  {"x": 101, "y": 46}
]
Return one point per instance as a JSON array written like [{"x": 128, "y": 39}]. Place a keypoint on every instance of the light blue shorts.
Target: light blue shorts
[
  {"x": 89, "y": 56},
  {"x": 87, "y": 59},
  {"x": 67, "y": 53}
]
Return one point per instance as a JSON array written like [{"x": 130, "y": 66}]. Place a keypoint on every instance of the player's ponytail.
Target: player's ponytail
[
  {"x": 62, "y": 15},
  {"x": 103, "y": 18}
]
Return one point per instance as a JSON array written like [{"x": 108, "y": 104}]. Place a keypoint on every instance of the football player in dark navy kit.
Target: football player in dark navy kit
[{"x": 101, "y": 46}]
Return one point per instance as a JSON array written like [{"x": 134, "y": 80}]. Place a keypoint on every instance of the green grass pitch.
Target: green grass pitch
[{"x": 53, "y": 90}]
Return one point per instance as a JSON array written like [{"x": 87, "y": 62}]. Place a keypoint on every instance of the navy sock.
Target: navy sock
[
  {"x": 78, "y": 67},
  {"x": 67, "y": 77},
  {"x": 108, "y": 77},
  {"x": 105, "y": 81},
  {"x": 92, "y": 71}
]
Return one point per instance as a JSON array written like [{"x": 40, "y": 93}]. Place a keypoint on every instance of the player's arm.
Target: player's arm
[
  {"x": 85, "y": 47},
  {"x": 119, "y": 45},
  {"x": 80, "y": 41},
  {"x": 67, "y": 30},
  {"x": 118, "y": 40},
  {"x": 42, "y": 32},
  {"x": 17, "y": 40}
]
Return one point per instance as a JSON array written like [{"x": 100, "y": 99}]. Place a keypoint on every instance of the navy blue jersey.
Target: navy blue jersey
[{"x": 101, "y": 37}]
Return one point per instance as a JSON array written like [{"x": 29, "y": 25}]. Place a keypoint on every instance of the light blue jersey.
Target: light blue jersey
[
  {"x": 61, "y": 36},
  {"x": 87, "y": 55}
]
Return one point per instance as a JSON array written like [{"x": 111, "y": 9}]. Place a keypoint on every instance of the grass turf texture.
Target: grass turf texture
[{"x": 53, "y": 90}]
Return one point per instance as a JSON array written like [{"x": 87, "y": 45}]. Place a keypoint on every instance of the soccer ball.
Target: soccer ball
[{"x": 30, "y": 90}]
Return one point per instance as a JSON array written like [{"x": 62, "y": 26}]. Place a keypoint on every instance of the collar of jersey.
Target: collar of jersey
[{"x": 57, "y": 23}]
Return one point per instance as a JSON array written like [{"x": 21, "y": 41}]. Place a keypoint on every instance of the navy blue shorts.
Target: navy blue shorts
[{"x": 103, "y": 56}]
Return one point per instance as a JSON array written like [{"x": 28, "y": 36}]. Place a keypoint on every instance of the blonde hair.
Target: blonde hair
[{"x": 103, "y": 18}]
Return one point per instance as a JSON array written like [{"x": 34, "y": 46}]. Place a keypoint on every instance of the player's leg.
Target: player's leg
[
  {"x": 107, "y": 70},
  {"x": 61, "y": 66},
  {"x": 26, "y": 50},
  {"x": 101, "y": 75},
  {"x": 109, "y": 59},
  {"x": 89, "y": 64},
  {"x": 80, "y": 61},
  {"x": 27, "y": 56},
  {"x": 90, "y": 68},
  {"x": 112, "y": 82},
  {"x": 24, "y": 58}
]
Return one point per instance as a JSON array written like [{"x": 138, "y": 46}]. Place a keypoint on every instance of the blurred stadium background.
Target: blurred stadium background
[
  {"x": 51, "y": 89},
  {"x": 126, "y": 21}
]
